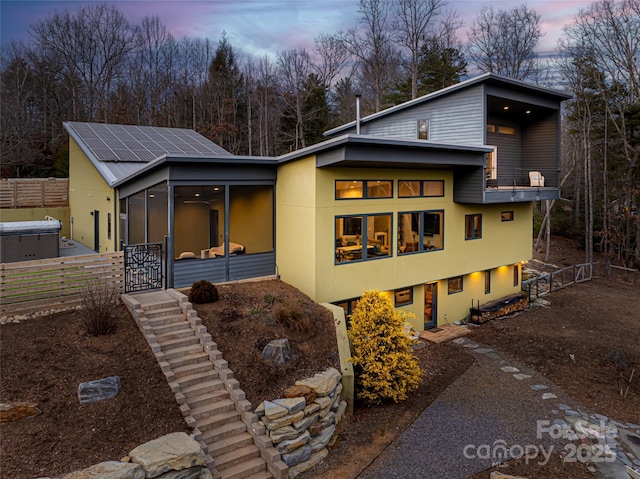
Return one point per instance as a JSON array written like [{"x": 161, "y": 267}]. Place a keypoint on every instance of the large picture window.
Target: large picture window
[
  {"x": 420, "y": 231},
  {"x": 362, "y": 237}
]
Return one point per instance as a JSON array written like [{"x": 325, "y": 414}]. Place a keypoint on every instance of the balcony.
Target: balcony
[{"x": 520, "y": 185}]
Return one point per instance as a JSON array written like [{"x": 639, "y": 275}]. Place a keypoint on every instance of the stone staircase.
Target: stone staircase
[{"x": 210, "y": 399}]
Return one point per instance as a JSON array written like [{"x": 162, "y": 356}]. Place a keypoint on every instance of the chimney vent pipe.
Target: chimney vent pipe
[{"x": 357, "y": 114}]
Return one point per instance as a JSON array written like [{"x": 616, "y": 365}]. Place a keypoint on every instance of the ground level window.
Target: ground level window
[
  {"x": 455, "y": 285},
  {"x": 403, "y": 296},
  {"x": 487, "y": 281},
  {"x": 348, "y": 305},
  {"x": 516, "y": 275},
  {"x": 473, "y": 227},
  {"x": 506, "y": 216}
]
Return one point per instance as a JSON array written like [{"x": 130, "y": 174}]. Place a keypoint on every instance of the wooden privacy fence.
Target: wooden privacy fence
[
  {"x": 30, "y": 286},
  {"x": 578, "y": 273},
  {"x": 34, "y": 193}
]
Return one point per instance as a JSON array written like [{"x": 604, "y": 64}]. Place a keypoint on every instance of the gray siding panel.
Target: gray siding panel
[
  {"x": 540, "y": 150},
  {"x": 252, "y": 266},
  {"x": 187, "y": 272},
  {"x": 468, "y": 186},
  {"x": 457, "y": 119}
]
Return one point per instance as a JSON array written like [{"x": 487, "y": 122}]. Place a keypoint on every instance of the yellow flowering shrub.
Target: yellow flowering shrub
[{"x": 387, "y": 368}]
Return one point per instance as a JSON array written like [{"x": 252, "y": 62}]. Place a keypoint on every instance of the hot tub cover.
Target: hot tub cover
[{"x": 30, "y": 227}]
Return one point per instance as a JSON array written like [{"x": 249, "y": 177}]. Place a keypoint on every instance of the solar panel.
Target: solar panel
[{"x": 130, "y": 143}]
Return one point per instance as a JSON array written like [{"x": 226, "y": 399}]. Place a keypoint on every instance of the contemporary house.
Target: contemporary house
[{"x": 430, "y": 201}]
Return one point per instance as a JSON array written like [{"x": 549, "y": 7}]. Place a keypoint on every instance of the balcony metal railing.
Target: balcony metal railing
[{"x": 515, "y": 178}]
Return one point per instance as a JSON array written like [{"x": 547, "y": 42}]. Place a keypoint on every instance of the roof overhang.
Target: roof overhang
[
  {"x": 364, "y": 151},
  {"x": 195, "y": 160}
]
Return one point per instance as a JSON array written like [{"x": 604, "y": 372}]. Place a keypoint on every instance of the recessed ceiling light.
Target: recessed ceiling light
[
  {"x": 197, "y": 194},
  {"x": 528, "y": 112},
  {"x": 505, "y": 107}
]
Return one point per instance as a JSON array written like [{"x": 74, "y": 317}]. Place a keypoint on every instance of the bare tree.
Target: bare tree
[
  {"x": 415, "y": 23},
  {"x": 332, "y": 58},
  {"x": 504, "y": 42},
  {"x": 92, "y": 45},
  {"x": 609, "y": 31},
  {"x": 373, "y": 47}
]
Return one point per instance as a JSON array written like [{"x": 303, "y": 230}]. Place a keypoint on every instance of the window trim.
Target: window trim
[
  {"x": 471, "y": 235},
  {"x": 422, "y": 193},
  {"x": 364, "y": 189},
  {"x": 457, "y": 290},
  {"x": 428, "y": 128},
  {"x": 506, "y": 216},
  {"x": 398, "y": 303},
  {"x": 362, "y": 226},
  {"x": 421, "y": 233}
]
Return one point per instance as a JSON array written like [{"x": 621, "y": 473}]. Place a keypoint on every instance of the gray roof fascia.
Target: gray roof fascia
[
  {"x": 448, "y": 90},
  {"x": 369, "y": 140},
  {"x": 101, "y": 167},
  {"x": 226, "y": 159}
]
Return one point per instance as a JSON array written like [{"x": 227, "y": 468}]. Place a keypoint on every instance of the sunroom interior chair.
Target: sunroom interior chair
[
  {"x": 187, "y": 255},
  {"x": 536, "y": 179},
  {"x": 234, "y": 248}
]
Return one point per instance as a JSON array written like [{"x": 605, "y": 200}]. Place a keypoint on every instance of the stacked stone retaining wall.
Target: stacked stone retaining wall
[{"x": 302, "y": 424}]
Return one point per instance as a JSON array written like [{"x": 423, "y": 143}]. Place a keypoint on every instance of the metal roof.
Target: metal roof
[{"x": 118, "y": 151}]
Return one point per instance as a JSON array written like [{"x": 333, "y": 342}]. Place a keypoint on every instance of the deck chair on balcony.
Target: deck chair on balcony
[{"x": 536, "y": 179}]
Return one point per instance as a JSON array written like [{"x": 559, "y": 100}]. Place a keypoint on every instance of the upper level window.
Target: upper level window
[
  {"x": 420, "y": 231},
  {"x": 358, "y": 189},
  {"x": 417, "y": 188},
  {"x": 506, "y": 216},
  {"x": 423, "y": 129},
  {"x": 472, "y": 227},
  {"x": 362, "y": 237}
]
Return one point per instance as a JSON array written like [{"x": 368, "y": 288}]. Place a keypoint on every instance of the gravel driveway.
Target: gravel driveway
[{"x": 495, "y": 402}]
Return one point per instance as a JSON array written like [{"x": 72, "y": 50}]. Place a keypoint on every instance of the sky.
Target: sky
[{"x": 260, "y": 27}]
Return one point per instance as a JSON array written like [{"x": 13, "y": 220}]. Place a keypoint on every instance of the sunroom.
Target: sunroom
[{"x": 215, "y": 219}]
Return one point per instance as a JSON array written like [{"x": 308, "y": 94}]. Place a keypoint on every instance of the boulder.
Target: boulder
[
  {"x": 293, "y": 405},
  {"x": 300, "y": 391},
  {"x": 305, "y": 422},
  {"x": 109, "y": 470},
  {"x": 315, "y": 458},
  {"x": 322, "y": 383},
  {"x": 296, "y": 457},
  {"x": 322, "y": 440},
  {"x": 283, "y": 434},
  {"x": 273, "y": 410},
  {"x": 173, "y": 452},
  {"x": 286, "y": 447},
  {"x": 98, "y": 390},
  {"x": 277, "y": 351},
  {"x": 274, "y": 424}
]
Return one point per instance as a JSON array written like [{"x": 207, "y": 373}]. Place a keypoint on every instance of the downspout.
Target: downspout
[{"x": 357, "y": 114}]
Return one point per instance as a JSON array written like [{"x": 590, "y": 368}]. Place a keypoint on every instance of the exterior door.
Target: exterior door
[
  {"x": 430, "y": 305},
  {"x": 96, "y": 231}
]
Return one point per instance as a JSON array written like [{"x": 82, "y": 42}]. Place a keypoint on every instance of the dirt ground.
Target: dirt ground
[{"x": 43, "y": 360}]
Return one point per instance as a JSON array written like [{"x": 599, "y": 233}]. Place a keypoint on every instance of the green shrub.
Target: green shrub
[
  {"x": 382, "y": 352},
  {"x": 203, "y": 292},
  {"x": 99, "y": 312}
]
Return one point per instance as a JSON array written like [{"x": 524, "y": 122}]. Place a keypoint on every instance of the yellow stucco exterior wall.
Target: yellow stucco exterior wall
[
  {"x": 88, "y": 192},
  {"x": 306, "y": 212}
]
